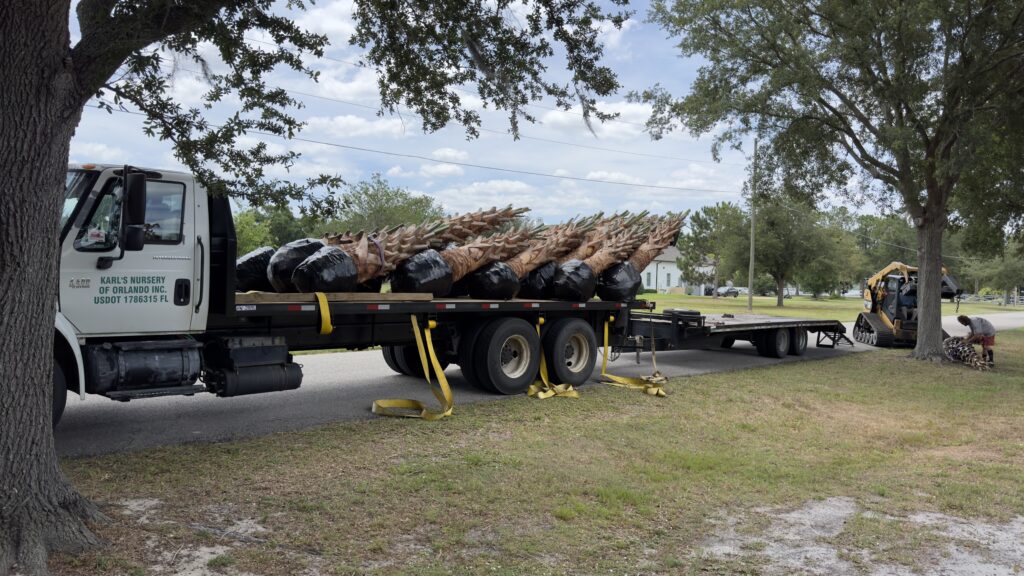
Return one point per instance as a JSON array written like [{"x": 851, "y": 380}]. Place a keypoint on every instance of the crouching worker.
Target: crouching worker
[{"x": 981, "y": 331}]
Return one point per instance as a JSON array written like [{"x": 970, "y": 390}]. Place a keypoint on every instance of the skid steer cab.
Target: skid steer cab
[{"x": 890, "y": 306}]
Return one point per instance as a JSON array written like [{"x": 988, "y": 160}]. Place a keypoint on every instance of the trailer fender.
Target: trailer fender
[{"x": 65, "y": 346}]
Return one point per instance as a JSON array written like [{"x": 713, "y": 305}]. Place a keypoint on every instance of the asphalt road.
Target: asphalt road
[{"x": 342, "y": 386}]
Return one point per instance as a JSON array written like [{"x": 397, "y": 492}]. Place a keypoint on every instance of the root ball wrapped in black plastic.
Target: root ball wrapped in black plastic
[
  {"x": 620, "y": 283},
  {"x": 329, "y": 269},
  {"x": 425, "y": 273},
  {"x": 287, "y": 258},
  {"x": 574, "y": 281},
  {"x": 537, "y": 284},
  {"x": 496, "y": 281},
  {"x": 251, "y": 271}
]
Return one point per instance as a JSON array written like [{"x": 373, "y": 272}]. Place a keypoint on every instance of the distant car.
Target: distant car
[{"x": 728, "y": 291}]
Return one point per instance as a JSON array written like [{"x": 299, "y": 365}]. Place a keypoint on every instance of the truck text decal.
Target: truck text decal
[{"x": 131, "y": 290}]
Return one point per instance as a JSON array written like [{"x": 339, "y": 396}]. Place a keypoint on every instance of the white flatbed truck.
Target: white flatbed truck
[{"x": 147, "y": 307}]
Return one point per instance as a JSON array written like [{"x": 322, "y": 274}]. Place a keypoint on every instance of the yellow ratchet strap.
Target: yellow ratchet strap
[
  {"x": 651, "y": 385},
  {"x": 544, "y": 389},
  {"x": 325, "y": 314},
  {"x": 401, "y": 408}
]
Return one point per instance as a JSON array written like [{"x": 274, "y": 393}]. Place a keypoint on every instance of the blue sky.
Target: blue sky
[{"x": 640, "y": 53}]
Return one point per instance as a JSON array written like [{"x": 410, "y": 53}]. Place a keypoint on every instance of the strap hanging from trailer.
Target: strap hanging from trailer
[
  {"x": 402, "y": 408},
  {"x": 543, "y": 388},
  {"x": 325, "y": 314},
  {"x": 652, "y": 385}
]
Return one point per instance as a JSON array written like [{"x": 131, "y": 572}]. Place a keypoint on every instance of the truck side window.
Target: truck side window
[
  {"x": 101, "y": 232},
  {"x": 165, "y": 208}
]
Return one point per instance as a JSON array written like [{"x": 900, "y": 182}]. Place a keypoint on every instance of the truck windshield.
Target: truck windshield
[{"x": 76, "y": 185}]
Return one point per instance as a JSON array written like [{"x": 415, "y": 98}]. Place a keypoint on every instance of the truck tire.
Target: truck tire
[
  {"x": 407, "y": 357},
  {"x": 507, "y": 356},
  {"x": 60, "y": 393},
  {"x": 570, "y": 348},
  {"x": 773, "y": 343},
  {"x": 389, "y": 357},
  {"x": 467, "y": 352},
  {"x": 797, "y": 341},
  {"x": 727, "y": 342}
]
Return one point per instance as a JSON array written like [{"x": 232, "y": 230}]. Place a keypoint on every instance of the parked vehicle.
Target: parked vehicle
[
  {"x": 728, "y": 291},
  {"x": 147, "y": 307}
]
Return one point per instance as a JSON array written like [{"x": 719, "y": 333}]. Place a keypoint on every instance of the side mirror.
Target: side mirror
[
  {"x": 133, "y": 201},
  {"x": 134, "y": 238}
]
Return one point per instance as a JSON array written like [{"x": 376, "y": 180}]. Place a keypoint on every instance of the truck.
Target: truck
[{"x": 147, "y": 307}]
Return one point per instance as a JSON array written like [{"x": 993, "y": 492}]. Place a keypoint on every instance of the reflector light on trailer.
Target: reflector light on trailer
[
  {"x": 445, "y": 306},
  {"x": 491, "y": 306},
  {"x": 531, "y": 305},
  {"x": 578, "y": 305},
  {"x": 378, "y": 306}
]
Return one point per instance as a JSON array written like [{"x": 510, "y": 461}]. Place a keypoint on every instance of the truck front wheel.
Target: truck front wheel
[
  {"x": 507, "y": 356},
  {"x": 570, "y": 348},
  {"x": 60, "y": 393}
]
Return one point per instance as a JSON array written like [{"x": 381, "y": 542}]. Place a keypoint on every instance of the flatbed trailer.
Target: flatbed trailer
[{"x": 142, "y": 316}]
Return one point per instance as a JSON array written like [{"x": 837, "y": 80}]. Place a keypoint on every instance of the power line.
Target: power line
[
  {"x": 499, "y": 132},
  {"x": 464, "y": 164}
]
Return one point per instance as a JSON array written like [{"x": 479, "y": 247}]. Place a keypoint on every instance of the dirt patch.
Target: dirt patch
[{"x": 831, "y": 537}]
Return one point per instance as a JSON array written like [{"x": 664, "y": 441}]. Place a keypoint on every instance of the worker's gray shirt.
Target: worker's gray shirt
[{"x": 980, "y": 326}]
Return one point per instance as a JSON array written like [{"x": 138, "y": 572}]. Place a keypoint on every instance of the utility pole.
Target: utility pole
[{"x": 753, "y": 194}]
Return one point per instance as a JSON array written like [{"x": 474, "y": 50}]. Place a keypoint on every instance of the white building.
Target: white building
[{"x": 663, "y": 273}]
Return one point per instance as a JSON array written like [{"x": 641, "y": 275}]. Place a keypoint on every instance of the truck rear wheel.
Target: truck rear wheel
[
  {"x": 570, "y": 348},
  {"x": 728, "y": 341},
  {"x": 468, "y": 336},
  {"x": 797, "y": 341},
  {"x": 60, "y": 393},
  {"x": 507, "y": 356},
  {"x": 407, "y": 358},
  {"x": 773, "y": 343},
  {"x": 389, "y": 357}
]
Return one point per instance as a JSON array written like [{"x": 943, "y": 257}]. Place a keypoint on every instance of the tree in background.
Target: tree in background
[
  {"x": 710, "y": 233},
  {"x": 1004, "y": 272},
  {"x": 375, "y": 204},
  {"x": 423, "y": 53},
  {"x": 924, "y": 98}
]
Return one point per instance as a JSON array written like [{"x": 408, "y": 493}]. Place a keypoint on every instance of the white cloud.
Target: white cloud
[
  {"x": 629, "y": 125},
  {"x": 348, "y": 126},
  {"x": 450, "y": 154},
  {"x": 85, "y": 152},
  {"x": 614, "y": 177},
  {"x": 551, "y": 204},
  {"x": 333, "y": 19},
  {"x": 611, "y": 36},
  {"x": 399, "y": 172},
  {"x": 440, "y": 170}
]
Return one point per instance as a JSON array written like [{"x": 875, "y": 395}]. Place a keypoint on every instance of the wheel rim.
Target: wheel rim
[
  {"x": 782, "y": 340},
  {"x": 515, "y": 356},
  {"x": 577, "y": 353}
]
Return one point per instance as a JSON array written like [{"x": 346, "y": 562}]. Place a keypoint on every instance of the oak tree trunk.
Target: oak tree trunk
[
  {"x": 929, "y": 279},
  {"x": 40, "y": 105},
  {"x": 780, "y": 287}
]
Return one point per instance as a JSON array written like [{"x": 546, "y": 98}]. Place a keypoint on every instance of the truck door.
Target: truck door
[{"x": 146, "y": 292}]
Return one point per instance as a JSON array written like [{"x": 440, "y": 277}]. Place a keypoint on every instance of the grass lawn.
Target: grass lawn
[
  {"x": 615, "y": 482},
  {"x": 844, "y": 309}
]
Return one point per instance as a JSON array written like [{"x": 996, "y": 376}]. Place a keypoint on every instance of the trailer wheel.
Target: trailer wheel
[
  {"x": 570, "y": 348},
  {"x": 467, "y": 353},
  {"x": 407, "y": 357},
  {"x": 773, "y": 343},
  {"x": 728, "y": 341},
  {"x": 507, "y": 356},
  {"x": 797, "y": 341},
  {"x": 60, "y": 393},
  {"x": 389, "y": 357}
]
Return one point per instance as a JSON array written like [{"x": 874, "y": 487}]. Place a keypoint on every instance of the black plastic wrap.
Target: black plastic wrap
[
  {"x": 251, "y": 271},
  {"x": 620, "y": 283},
  {"x": 287, "y": 258},
  {"x": 459, "y": 289},
  {"x": 371, "y": 286},
  {"x": 537, "y": 284},
  {"x": 496, "y": 281},
  {"x": 574, "y": 281},
  {"x": 425, "y": 273},
  {"x": 329, "y": 269}
]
